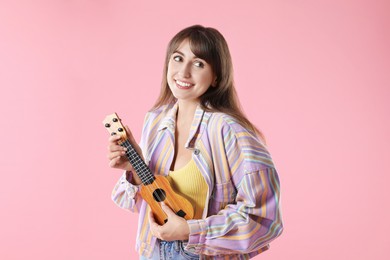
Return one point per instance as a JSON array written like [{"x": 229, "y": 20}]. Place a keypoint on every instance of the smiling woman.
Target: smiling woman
[{"x": 212, "y": 155}]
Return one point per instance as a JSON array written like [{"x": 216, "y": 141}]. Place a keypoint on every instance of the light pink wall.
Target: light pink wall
[{"x": 313, "y": 75}]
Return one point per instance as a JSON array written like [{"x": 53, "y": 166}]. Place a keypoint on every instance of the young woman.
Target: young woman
[{"x": 197, "y": 135}]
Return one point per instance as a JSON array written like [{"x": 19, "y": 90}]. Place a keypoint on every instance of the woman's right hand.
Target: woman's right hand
[{"x": 117, "y": 154}]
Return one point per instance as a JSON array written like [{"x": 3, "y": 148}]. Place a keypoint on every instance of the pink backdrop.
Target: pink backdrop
[{"x": 313, "y": 75}]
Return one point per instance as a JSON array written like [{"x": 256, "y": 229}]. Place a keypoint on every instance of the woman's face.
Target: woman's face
[{"x": 188, "y": 76}]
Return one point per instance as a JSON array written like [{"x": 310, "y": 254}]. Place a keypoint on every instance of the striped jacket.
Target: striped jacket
[{"x": 242, "y": 214}]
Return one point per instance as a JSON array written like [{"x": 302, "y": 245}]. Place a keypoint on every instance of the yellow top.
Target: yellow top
[{"x": 189, "y": 183}]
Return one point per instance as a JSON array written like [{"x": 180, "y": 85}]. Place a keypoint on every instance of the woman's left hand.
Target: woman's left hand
[{"x": 176, "y": 227}]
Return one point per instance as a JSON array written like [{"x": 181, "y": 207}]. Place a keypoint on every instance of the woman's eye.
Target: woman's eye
[
  {"x": 177, "y": 58},
  {"x": 199, "y": 64}
]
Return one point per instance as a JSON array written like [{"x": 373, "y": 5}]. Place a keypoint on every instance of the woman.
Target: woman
[{"x": 197, "y": 135}]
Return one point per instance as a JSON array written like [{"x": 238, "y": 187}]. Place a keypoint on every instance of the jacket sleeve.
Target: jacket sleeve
[
  {"x": 251, "y": 219},
  {"x": 125, "y": 195}
]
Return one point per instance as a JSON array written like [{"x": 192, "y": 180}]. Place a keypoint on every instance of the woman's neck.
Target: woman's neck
[{"x": 186, "y": 111}]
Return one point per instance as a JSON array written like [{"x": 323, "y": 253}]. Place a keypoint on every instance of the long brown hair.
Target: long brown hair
[{"x": 209, "y": 44}]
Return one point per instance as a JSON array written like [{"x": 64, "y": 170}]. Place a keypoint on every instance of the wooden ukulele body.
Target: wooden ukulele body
[{"x": 160, "y": 191}]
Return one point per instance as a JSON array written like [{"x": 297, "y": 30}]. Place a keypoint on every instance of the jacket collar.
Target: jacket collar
[{"x": 169, "y": 121}]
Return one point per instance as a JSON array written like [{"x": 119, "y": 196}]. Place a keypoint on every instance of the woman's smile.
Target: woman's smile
[{"x": 183, "y": 85}]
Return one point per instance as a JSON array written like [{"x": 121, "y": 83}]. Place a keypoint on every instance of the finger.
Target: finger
[
  {"x": 114, "y": 162},
  {"x": 114, "y": 147},
  {"x": 167, "y": 210},
  {"x": 113, "y": 155},
  {"x": 114, "y": 138}
]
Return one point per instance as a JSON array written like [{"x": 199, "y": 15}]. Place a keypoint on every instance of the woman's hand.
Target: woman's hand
[
  {"x": 175, "y": 229},
  {"x": 117, "y": 154}
]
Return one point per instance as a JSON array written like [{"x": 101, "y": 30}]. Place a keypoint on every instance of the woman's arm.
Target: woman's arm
[
  {"x": 245, "y": 201},
  {"x": 246, "y": 226}
]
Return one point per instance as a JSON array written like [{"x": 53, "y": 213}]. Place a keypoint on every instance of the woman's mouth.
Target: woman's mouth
[{"x": 183, "y": 85}]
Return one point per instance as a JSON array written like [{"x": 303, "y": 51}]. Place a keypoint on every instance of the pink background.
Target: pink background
[{"x": 313, "y": 75}]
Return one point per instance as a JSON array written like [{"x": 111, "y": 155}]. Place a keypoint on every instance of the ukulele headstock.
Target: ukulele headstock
[{"x": 114, "y": 126}]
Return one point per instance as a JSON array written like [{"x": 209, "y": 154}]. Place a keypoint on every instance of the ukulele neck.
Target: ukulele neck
[{"x": 138, "y": 164}]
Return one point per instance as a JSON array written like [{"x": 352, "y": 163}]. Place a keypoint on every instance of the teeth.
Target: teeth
[{"x": 183, "y": 84}]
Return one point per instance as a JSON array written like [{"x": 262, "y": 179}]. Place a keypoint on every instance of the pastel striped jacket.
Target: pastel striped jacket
[{"x": 242, "y": 214}]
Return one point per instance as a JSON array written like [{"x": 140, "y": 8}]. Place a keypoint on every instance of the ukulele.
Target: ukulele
[{"x": 154, "y": 189}]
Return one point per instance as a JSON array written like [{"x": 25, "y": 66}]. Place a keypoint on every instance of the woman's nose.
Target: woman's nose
[{"x": 185, "y": 70}]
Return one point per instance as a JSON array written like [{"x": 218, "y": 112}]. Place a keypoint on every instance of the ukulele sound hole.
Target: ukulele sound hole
[{"x": 159, "y": 195}]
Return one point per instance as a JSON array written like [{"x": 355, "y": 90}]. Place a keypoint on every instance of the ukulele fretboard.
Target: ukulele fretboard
[{"x": 138, "y": 164}]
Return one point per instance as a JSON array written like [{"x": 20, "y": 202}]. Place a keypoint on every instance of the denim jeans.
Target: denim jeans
[{"x": 170, "y": 250}]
